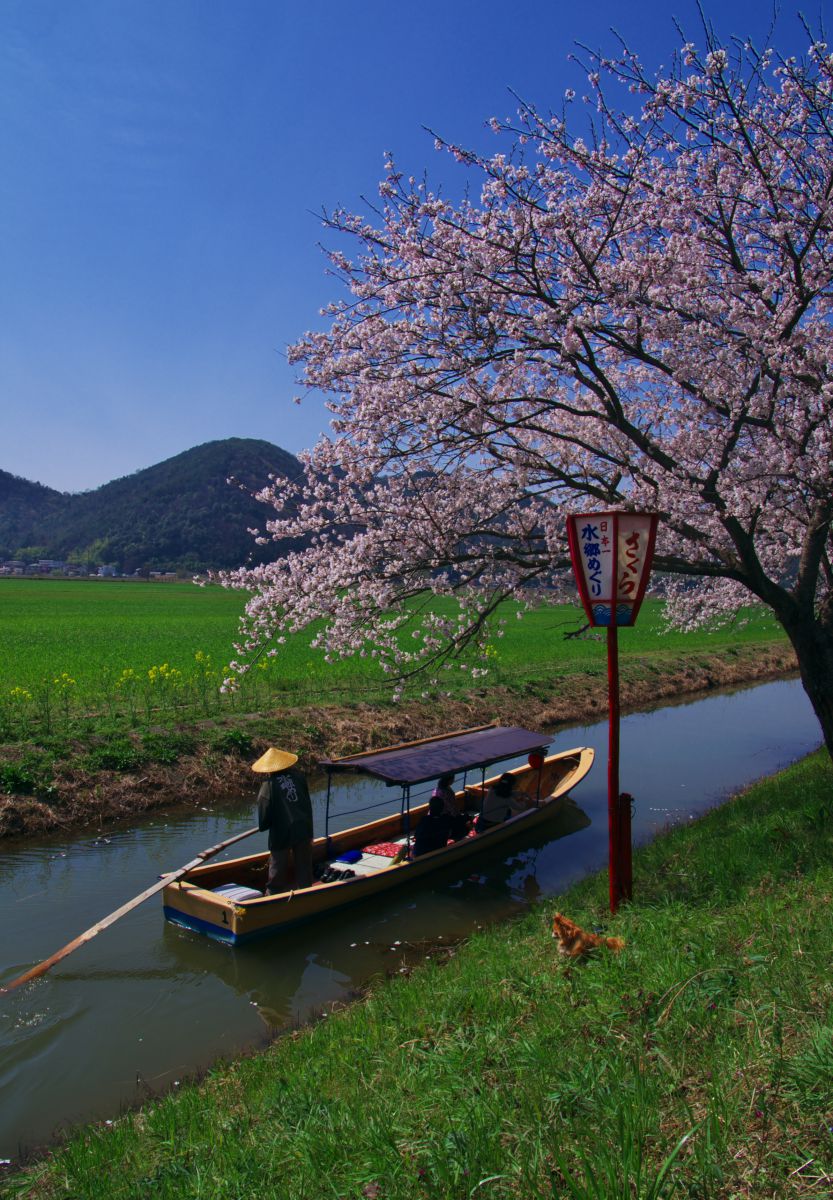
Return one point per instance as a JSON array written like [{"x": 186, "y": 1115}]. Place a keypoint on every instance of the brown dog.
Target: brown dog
[{"x": 574, "y": 941}]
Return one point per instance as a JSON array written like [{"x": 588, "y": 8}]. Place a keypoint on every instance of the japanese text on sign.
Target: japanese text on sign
[
  {"x": 594, "y": 543},
  {"x": 611, "y": 555}
]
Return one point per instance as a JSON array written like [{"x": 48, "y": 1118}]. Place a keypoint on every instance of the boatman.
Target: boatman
[{"x": 285, "y": 809}]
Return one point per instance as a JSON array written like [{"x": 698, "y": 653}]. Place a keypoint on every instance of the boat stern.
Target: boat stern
[{"x": 205, "y": 912}]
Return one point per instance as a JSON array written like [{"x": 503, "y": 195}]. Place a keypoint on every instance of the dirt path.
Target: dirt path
[{"x": 108, "y": 797}]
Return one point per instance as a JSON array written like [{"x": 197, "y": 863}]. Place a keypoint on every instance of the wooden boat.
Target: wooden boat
[{"x": 225, "y": 900}]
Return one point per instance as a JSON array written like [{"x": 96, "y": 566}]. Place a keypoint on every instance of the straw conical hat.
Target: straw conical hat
[{"x": 274, "y": 760}]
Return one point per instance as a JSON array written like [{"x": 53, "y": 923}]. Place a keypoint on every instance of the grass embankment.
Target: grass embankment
[
  {"x": 698, "y": 1063},
  {"x": 110, "y": 698}
]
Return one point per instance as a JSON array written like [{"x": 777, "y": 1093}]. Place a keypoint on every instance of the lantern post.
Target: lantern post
[{"x": 611, "y": 553}]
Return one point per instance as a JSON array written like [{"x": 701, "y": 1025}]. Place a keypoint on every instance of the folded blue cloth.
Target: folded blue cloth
[{"x": 349, "y": 856}]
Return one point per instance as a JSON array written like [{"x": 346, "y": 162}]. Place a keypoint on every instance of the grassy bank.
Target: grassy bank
[
  {"x": 105, "y": 775},
  {"x": 110, "y": 698},
  {"x": 699, "y": 1063}
]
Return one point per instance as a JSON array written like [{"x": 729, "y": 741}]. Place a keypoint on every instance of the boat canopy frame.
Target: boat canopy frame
[{"x": 411, "y": 763}]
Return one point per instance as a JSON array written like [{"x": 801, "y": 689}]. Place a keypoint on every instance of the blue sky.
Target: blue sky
[{"x": 162, "y": 167}]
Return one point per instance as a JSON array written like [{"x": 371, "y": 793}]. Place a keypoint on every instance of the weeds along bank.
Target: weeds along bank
[
  {"x": 695, "y": 1063},
  {"x": 111, "y": 701}
]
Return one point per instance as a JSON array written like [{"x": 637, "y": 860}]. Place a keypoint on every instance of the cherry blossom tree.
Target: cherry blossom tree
[{"x": 638, "y": 317}]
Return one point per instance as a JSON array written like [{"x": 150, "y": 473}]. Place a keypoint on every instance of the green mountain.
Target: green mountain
[
  {"x": 180, "y": 514},
  {"x": 23, "y": 507}
]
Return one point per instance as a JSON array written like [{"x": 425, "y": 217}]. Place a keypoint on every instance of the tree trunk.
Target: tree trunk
[{"x": 813, "y": 645}]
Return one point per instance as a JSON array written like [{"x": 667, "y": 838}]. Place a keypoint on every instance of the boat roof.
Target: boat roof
[{"x": 417, "y": 762}]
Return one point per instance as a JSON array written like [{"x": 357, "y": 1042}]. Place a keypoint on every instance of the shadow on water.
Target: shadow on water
[
  {"x": 145, "y": 1004},
  {"x": 289, "y": 976}
]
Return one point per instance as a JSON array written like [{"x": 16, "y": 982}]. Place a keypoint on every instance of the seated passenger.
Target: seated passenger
[
  {"x": 458, "y": 822},
  {"x": 499, "y": 804},
  {"x": 434, "y": 829}
]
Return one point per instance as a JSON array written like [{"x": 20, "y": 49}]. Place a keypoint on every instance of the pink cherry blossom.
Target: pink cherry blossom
[{"x": 635, "y": 313}]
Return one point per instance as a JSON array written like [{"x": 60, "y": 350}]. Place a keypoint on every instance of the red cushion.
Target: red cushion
[{"x": 387, "y": 849}]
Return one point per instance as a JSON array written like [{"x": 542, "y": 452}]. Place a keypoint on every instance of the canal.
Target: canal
[{"x": 146, "y": 1004}]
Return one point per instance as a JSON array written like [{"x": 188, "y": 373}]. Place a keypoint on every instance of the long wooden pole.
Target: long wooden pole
[{"x": 105, "y": 922}]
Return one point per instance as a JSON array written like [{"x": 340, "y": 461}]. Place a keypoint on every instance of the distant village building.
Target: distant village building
[{"x": 43, "y": 566}]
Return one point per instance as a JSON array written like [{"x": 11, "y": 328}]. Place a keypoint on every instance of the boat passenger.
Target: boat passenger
[
  {"x": 285, "y": 809},
  {"x": 451, "y": 807},
  {"x": 434, "y": 830},
  {"x": 499, "y": 804}
]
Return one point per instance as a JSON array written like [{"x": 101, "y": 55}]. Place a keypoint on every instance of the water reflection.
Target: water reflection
[
  {"x": 286, "y": 981},
  {"x": 145, "y": 1003}
]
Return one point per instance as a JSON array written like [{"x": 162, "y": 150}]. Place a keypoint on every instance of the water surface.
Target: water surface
[{"x": 146, "y": 1003}]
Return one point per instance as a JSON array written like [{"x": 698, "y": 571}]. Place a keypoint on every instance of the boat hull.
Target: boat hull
[{"x": 191, "y": 901}]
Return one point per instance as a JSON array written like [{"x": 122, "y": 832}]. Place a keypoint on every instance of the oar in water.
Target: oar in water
[{"x": 90, "y": 933}]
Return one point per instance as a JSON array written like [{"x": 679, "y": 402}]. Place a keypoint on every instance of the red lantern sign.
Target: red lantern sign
[{"x": 611, "y": 554}]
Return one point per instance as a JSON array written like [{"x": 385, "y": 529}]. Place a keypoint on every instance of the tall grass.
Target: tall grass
[{"x": 695, "y": 1064}]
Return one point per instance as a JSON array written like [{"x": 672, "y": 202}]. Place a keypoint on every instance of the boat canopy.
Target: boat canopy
[{"x": 429, "y": 759}]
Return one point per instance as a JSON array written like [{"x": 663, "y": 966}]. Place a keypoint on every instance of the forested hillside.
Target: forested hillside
[
  {"x": 180, "y": 514},
  {"x": 23, "y": 506}
]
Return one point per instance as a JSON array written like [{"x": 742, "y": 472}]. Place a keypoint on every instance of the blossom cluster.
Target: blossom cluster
[{"x": 637, "y": 320}]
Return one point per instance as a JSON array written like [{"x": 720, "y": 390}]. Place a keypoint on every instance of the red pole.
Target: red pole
[{"x": 613, "y": 830}]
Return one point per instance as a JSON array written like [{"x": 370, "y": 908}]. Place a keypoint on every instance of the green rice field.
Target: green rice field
[{"x": 74, "y": 650}]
